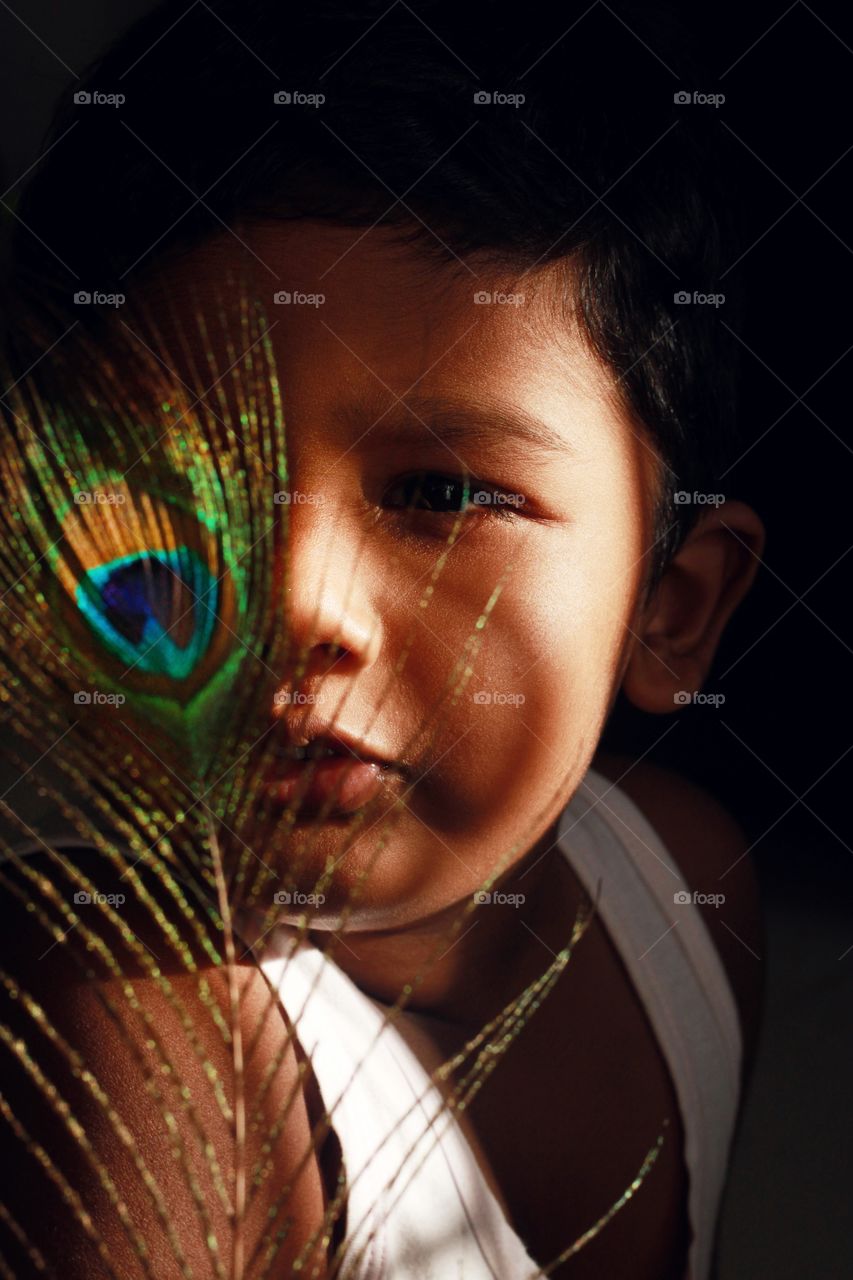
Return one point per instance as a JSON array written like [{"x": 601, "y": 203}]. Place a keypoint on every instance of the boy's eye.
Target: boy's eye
[{"x": 442, "y": 494}]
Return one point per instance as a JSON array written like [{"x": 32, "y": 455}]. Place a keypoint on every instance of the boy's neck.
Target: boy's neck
[{"x": 499, "y": 951}]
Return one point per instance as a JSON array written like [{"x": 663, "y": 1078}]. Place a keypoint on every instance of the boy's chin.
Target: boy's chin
[
  {"x": 380, "y": 872},
  {"x": 338, "y": 878},
  {"x": 365, "y": 892}
]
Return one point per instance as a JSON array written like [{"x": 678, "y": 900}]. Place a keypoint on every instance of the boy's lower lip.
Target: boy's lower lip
[{"x": 351, "y": 782}]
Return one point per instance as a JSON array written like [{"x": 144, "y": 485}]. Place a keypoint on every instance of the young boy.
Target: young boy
[{"x": 460, "y": 288}]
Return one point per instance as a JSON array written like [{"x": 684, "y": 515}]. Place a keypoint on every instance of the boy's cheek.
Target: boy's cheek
[
  {"x": 539, "y": 685},
  {"x": 506, "y": 751}
]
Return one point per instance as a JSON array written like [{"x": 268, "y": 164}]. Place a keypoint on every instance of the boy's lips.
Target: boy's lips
[
  {"x": 339, "y": 784},
  {"x": 345, "y": 772}
]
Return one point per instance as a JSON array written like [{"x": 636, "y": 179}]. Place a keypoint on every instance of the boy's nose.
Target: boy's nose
[{"x": 326, "y": 598}]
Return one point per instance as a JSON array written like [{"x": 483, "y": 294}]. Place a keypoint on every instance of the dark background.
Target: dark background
[
  {"x": 782, "y": 735},
  {"x": 776, "y": 751}
]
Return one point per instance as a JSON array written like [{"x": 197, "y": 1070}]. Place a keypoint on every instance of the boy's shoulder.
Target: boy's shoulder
[
  {"x": 157, "y": 1039},
  {"x": 711, "y": 851}
]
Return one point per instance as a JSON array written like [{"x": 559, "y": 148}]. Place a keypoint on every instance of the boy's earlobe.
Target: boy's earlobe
[{"x": 679, "y": 630}]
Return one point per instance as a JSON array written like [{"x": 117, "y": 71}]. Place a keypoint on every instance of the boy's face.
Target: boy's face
[{"x": 370, "y": 378}]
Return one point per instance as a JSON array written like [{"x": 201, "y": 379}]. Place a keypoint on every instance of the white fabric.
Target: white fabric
[{"x": 437, "y": 1218}]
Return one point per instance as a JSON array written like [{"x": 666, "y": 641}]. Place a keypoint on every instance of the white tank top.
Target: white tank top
[{"x": 418, "y": 1204}]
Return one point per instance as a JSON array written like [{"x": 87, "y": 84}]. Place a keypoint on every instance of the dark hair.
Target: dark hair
[{"x": 600, "y": 166}]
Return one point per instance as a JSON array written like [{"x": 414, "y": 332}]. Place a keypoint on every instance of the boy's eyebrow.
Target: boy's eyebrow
[{"x": 469, "y": 422}]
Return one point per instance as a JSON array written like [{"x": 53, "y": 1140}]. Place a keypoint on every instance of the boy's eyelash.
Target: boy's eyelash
[{"x": 481, "y": 497}]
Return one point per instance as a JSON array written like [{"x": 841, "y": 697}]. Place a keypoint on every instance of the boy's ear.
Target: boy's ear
[{"x": 680, "y": 627}]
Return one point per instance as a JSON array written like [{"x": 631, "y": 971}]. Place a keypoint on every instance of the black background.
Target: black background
[{"x": 776, "y": 750}]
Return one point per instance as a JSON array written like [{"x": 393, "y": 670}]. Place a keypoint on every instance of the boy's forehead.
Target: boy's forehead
[{"x": 354, "y": 313}]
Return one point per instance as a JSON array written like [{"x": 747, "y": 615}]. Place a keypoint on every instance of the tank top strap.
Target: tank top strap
[{"x": 677, "y": 972}]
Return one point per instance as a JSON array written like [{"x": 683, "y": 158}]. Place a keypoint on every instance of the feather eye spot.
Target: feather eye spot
[{"x": 155, "y": 610}]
